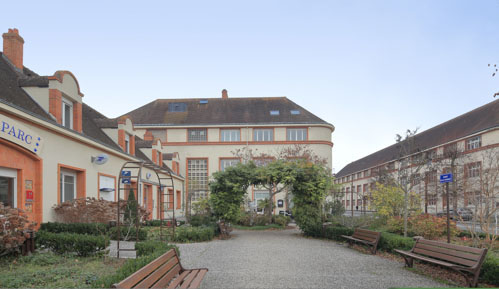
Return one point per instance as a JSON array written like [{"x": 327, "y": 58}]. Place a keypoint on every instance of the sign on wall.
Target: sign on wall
[{"x": 16, "y": 132}]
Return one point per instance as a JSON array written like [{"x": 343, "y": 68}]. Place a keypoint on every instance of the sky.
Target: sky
[{"x": 371, "y": 68}]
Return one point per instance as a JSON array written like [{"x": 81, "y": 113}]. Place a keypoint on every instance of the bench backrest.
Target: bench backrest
[
  {"x": 158, "y": 273},
  {"x": 366, "y": 235},
  {"x": 456, "y": 254}
]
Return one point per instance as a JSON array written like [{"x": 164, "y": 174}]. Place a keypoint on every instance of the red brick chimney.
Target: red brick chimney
[
  {"x": 13, "y": 47},
  {"x": 225, "y": 94}
]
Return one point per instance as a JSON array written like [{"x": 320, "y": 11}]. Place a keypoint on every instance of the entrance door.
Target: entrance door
[{"x": 8, "y": 187}]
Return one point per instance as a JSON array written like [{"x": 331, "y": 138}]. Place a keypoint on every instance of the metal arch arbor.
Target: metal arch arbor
[{"x": 133, "y": 171}]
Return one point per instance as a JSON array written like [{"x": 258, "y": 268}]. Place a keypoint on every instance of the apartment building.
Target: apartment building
[
  {"x": 466, "y": 146},
  {"x": 206, "y": 135},
  {"x": 55, "y": 148}
]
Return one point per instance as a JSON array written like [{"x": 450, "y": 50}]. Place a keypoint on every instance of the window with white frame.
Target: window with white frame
[
  {"x": 67, "y": 183},
  {"x": 197, "y": 176},
  {"x": 197, "y": 135},
  {"x": 67, "y": 113},
  {"x": 225, "y": 163},
  {"x": 259, "y": 196},
  {"x": 263, "y": 134},
  {"x": 297, "y": 134},
  {"x": 106, "y": 188},
  {"x": 127, "y": 143},
  {"x": 473, "y": 169},
  {"x": 228, "y": 135},
  {"x": 474, "y": 143}
]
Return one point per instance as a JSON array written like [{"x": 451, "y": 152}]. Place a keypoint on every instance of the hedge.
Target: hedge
[
  {"x": 77, "y": 228},
  {"x": 389, "y": 242},
  {"x": 490, "y": 269},
  {"x": 335, "y": 232},
  {"x": 62, "y": 243},
  {"x": 149, "y": 247},
  {"x": 132, "y": 236},
  {"x": 194, "y": 234}
]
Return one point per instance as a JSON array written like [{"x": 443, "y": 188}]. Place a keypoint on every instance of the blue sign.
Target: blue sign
[
  {"x": 126, "y": 173},
  {"x": 127, "y": 181},
  {"x": 446, "y": 178}
]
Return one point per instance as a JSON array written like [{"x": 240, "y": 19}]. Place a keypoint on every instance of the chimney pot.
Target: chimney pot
[
  {"x": 13, "y": 47},
  {"x": 225, "y": 94}
]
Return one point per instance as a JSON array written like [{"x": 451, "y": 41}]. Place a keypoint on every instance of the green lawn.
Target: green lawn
[
  {"x": 47, "y": 270},
  {"x": 258, "y": 228}
]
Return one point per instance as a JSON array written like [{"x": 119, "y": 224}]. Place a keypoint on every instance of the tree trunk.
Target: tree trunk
[{"x": 405, "y": 213}]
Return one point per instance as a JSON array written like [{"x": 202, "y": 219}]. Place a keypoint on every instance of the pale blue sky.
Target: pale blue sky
[{"x": 371, "y": 68}]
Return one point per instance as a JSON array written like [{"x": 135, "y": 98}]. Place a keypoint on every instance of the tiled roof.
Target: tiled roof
[
  {"x": 223, "y": 111},
  {"x": 472, "y": 122},
  {"x": 91, "y": 129}
]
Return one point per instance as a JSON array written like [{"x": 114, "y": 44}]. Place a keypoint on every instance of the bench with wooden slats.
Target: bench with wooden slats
[
  {"x": 462, "y": 259},
  {"x": 370, "y": 238},
  {"x": 164, "y": 272}
]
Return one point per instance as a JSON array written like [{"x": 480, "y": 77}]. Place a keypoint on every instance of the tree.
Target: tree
[{"x": 389, "y": 200}]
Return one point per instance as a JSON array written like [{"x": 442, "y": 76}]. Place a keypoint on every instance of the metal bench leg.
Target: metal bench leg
[{"x": 409, "y": 262}]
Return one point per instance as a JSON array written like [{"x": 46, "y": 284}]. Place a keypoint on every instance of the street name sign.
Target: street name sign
[{"x": 446, "y": 178}]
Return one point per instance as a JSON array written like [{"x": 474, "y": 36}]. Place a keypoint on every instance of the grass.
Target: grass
[
  {"x": 48, "y": 270},
  {"x": 258, "y": 228}
]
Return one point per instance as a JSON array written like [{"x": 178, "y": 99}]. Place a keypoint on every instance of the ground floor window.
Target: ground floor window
[
  {"x": 8, "y": 187},
  {"x": 197, "y": 176},
  {"x": 67, "y": 185}
]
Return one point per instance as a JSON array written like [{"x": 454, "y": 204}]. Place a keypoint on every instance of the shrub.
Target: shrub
[
  {"x": 426, "y": 225},
  {"x": 245, "y": 219},
  {"x": 281, "y": 220},
  {"x": 194, "y": 234},
  {"x": 13, "y": 222},
  {"x": 389, "y": 242},
  {"x": 200, "y": 220},
  {"x": 261, "y": 220},
  {"x": 127, "y": 234},
  {"x": 77, "y": 228},
  {"x": 335, "y": 232},
  {"x": 152, "y": 223},
  {"x": 490, "y": 269},
  {"x": 149, "y": 247},
  {"x": 308, "y": 219},
  {"x": 62, "y": 243}
]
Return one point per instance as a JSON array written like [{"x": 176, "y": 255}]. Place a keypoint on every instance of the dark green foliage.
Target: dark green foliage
[
  {"x": 152, "y": 223},
  {"x": 245, "y": 219},
  {"x": 132, "y": 236},
  {"x": 390, "y": 242},
  {"x": 131, "y": 208},
  {"x": 281, "y": 220},
  {"x": 309, "y": 220},
  {"x": 490, "y": 269},
  {"x": 334, "y": 208},
  {"x": 261, "y": 220},
  {"x": 62, "y": 243},
  {"x": 194, "y": 234},
  {"x": 200, "y": 220},
  {"x": 468, "y": 234},
  {"x": 77, "y": 228},
  {"x": 149, "y": 247},
  {"x": 335, "y": 232}
]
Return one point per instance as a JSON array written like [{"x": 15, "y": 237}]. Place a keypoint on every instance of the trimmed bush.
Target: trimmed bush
[
  {"x": 149, "y": 247},
  {"x": 390, "y": 242},
  {"x": 261, "y": 220},
  {"x": 194, "y": 234},
  {"x": 200, "y": 220},
  {"x": 77, "y": 228},
  {"x": 62, "y": 243},
  {"x": 490, "y": 270},
  {"x": 132, "y": 236},
  {"x": 335, "y": 232},
  {"x": 281, "y": 220}
]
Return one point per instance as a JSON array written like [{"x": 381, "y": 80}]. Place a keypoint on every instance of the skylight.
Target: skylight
[
  {"x": 274, "y": 112},
  {"x": 177, "y": 107},
  {"x": 203, "y": 101},
  {"x": 295, "y": 111}
]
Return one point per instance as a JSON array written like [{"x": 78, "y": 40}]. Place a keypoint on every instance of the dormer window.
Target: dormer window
[
  {"x": 67, "y": 113},
  {"x": 274, "y": 112},
  {"x": 127, "y": 143}
]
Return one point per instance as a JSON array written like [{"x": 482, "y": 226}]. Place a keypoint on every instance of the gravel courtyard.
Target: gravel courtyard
[{"x": 285, "y": 259}]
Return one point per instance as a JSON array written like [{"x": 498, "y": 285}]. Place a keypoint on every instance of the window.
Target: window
[
  {"x": 431, "y": 177},
  {"x": 359, "y": 189},
  {"x": 177, "y": 107},
  {"x": 359, "y": 175},
  {"x": 295, "y": 112},
  {"x": 432, "y": 199},
  {"x": 179, "y": 200},
  {"x": 297, "y": 134},
  {"x": 259, "y": 162},
  {"x": 274, "y": 112},
  {"x": 67, "y": 113},
  {"x": 390, "y": 166},
  {"x": 197, "y": 135},
  {"x": 230, "y": 135},
  {"x": 366, "y": 173},
  {"x": 260, "y": 195},
  {"x": 473, "y": 170},
  {"x": 416, "y": 179},
  {"x": 430, "y": 155},
  {"x": 67, "y": 185},
  {"x": 127, "y": 143},
  {"x": 106, "y": 188},
  {"x": 364, "y": 188},
  {"x": 474, "y": 143},
  {"x": 197, "y": 176},
  {"x": 225, "y": 163},
  {"x": 450, "y": 150},
  {"x": 263, "y": 134}
]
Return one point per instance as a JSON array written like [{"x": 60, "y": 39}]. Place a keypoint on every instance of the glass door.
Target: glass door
[{"x": 8, "y": 187}]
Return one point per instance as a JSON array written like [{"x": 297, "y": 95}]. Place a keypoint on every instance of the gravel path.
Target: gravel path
[{"x": 285, "y": 259}]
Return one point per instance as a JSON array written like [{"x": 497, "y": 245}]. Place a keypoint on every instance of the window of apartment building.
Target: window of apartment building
[
  {"x": 127, "y": 143},
  {"x": 197, "y": 176},
  {"x": 106, "y": 188},
  {"x": 225, "y": 163},
  {"x": 348, "y": 203},
  {"x": 197, "y": 135},
  {"x": 366, "y": 173},
  {"x": 432, "y": 199},
  {"x": 404, "y": 163},
  {"x": 473, "y": 169},
  {"x": 259, "y": 196},
  {"x": 417, "y": 159},
  {"x": 67, "y": 113},
  {"x": 263, "y": 134},
  {"x": 353, "y": 189},
  {"x": 297, "y": 134},
  {"x": 364, "y": 188},
  {"x": 274, "y": 112},
  {"x": 229, "y": 135},
  {"x": 474, "y": 143},
  {"x": 177, "y": 107},
  {"x": 294, "y": 112},
  {"x": 179, "y": 200},
  {"x": 353, "y": 177},
  {"x": 348, "y": 190},
  {"x": 348, "y": 178},
  {"x": 159, "y": 134},
  {"x": 260, "y": 162},
  {"x": 391, "y": 166},
  {"x": 416, "y": 179},
  {"x": 472, "y": 198},
  {"x": 431, "y": 177},
  {"x": 450, "y": 149},
  {"x": 358, "y": 189},
  {"x": 432, "y": 154},
  {"x": 67, "y": 185},
  {"x": 359, "y": 175},
  {"x": 359, "y": 202}
]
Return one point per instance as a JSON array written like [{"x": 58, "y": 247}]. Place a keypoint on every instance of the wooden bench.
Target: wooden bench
[
  {"x": 164, "y": 272},
  {"x": 370, "y": 238},
  {"x": 462, "y": 259}
]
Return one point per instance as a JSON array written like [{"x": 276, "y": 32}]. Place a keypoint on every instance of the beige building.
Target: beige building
[
  {"x": 210, "y": 134},
  {"x": 54, "y": 147},
  {"x": 466, "y": 146}
]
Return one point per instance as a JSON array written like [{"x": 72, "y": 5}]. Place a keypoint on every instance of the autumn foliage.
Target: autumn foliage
[{"x": 13, "y": 224}]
